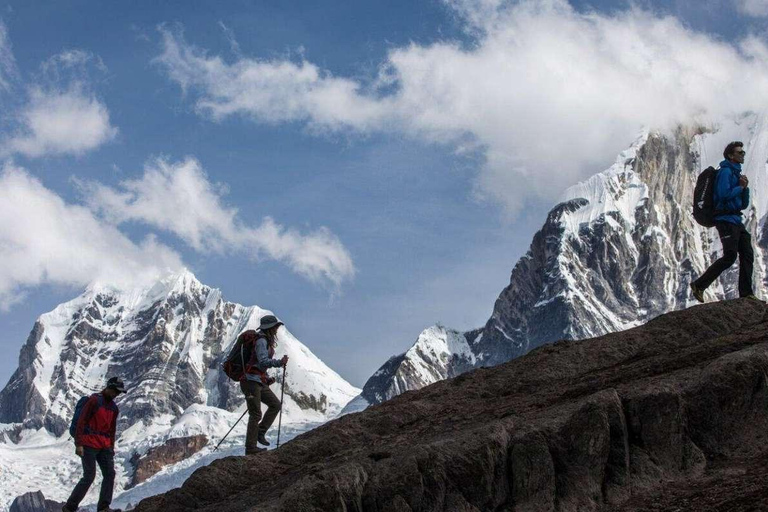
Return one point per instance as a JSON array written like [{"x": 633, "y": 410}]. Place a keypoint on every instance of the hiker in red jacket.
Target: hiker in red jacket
[
  {"x": 255, "y": 382},
  {"x": 95, "y": 444}
]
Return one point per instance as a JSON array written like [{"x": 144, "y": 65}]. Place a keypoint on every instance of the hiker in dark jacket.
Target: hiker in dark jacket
[
  {"x": 731, "y": 196},
  {"x": 95, "y": 444},
  {"x": 255, "y": 383}
]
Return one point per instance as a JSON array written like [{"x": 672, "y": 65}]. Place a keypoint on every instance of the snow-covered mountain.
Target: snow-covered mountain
[
  {"x": 618, "y": 250},
  {"x": 166, "y": 342}
]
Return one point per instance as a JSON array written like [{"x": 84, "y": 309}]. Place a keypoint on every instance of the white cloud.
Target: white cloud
[
  {"x": 62, "y": 115},
  {"x": 753, "y": 7},
  {"x": 269, "y": 91},
  {"x": 8, "y": 70},
  {"x": 44, "y": 240},
  {"x": 547, "y": 93},
  {"x": 61, "y": 122},
  {"x": 179, "y": 198}
]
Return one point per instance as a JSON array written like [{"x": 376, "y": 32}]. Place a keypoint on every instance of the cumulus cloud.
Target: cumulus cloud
[
  {"x": 45, "y": 240},
  {"x": 61, "y": 122},
  {"x": 63, "y": 115},
  {"x": 753, "y": 7},
  {"x": 178, "y": 197},
  {"x": 546, "y": 93}
]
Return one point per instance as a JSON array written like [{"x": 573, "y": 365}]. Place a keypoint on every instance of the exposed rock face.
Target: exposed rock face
[
  {"x": 619, "y": 250},
  {"x": 601, "y": 424},
  {"x": 34, "y": 502},
  {"x": 170, "y": 452}
]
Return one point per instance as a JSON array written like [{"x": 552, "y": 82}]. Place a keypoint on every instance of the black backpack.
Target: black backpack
[
  {"x": 704, "y": 199},
  {"x": 234, "y": 364}
]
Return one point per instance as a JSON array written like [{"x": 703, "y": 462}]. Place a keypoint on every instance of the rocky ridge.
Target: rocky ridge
[{"x": 609, "y": 423}]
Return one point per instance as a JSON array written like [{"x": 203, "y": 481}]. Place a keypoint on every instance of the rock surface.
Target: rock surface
[
  {"x": 170, "y": 452},
  {"x": 34, "y": 502},
  {"x": 651, "y": 418}
]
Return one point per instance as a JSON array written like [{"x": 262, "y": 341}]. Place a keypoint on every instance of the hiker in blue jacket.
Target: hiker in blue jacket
[{"x": 731, "y": 197}]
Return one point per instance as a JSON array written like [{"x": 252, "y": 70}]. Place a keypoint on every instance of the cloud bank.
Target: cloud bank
[
  {"x": 178, "y": 197},
  {"x": 45, "y": 240},
  {"x": 546, "y": 93}
]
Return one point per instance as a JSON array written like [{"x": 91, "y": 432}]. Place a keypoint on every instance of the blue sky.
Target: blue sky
[{"x": 404, "y": 166}]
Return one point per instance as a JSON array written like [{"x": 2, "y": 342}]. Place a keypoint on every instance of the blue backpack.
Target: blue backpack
[{"x": 79, "y": 409}]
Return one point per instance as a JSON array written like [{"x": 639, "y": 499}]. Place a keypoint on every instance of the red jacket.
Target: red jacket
[{"x": 97, "y": 424}]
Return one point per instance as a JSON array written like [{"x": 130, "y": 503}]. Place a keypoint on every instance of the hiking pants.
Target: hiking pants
[
  {"x": 736, "y": 241},
  {"x": 106, "y": 461},
  {"x": 255, "y": 394}
]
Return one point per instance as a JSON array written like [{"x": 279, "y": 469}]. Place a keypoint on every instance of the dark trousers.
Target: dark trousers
[
  {"x": 106, "y": 462},
  {"x": 737, "y": 242},
  {"x": 255, "y": 394}
]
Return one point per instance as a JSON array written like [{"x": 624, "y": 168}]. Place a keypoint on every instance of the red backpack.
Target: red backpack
[{"x": 239, "y": 355}]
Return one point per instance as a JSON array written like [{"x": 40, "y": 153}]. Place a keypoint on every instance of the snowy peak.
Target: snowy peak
[
  {"x": 618, "y": 190},
  {"x": 165, "y": 340},
  {"x": 438, "y": 353},
  {"x": 620, "y": 249}
]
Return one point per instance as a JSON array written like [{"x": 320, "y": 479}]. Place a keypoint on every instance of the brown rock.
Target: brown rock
[
  {"x": 640, "y": 420},
  {"x": 172, "y": 451}
]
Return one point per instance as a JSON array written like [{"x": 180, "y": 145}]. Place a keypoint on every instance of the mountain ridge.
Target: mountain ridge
[{"x": 618, "y": 250}]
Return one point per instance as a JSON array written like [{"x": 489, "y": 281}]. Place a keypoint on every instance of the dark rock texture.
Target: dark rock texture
[
  {"x": 172, "y": 451},
  {"x": 34, "y": 502},
  {"x": 659, "y": 417}
]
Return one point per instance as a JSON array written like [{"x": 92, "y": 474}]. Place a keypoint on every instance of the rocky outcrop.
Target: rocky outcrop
[
  {"x": 34, "y": 502},
  {"x": 629, "y": 420},
  {"x": 172, "y": 451}
]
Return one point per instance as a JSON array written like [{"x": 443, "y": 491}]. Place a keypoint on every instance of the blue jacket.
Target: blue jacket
[
  {"x": 729, "y": 195},
  {"x": 261, "y": 360}
]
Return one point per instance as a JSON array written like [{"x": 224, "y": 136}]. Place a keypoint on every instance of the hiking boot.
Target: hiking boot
[
  {"x": 263, "y": 438},
  {"x": 753, "y": 297},
  {"x": 697, "y": 292},
  {"x": 254, "y": 451}
]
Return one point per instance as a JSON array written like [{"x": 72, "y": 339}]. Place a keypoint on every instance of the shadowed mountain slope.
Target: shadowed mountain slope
[{"x": 599, "y": 424}]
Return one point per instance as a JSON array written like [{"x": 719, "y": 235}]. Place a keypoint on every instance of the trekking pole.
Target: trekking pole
[
  {"x": 230, "y": 430},
  {"x": 280, "y": 421}
]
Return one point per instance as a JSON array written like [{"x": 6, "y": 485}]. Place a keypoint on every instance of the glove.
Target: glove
[{"x": 270, "y": 381}]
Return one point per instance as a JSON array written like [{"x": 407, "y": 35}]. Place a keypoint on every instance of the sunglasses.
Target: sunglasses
[{"x": 742, "y": 153}]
